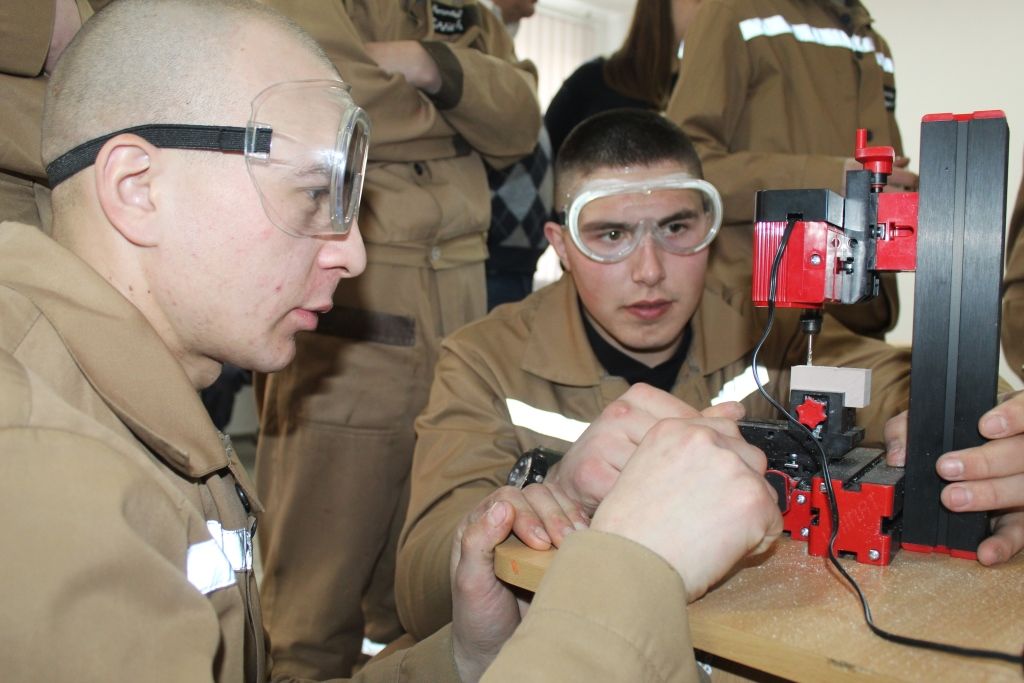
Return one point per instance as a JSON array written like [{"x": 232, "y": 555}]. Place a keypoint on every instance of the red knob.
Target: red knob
[
  {"x": 811, "y": 412},
  {"x": 874, "y": 159}
]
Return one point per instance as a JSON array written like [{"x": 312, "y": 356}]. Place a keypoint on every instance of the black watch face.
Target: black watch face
[{"x": 517, "y": 477}]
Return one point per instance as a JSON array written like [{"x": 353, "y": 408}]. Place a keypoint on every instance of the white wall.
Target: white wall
[
  {"x": 954, "y": 56},
  {"x": 563, "y": 34},
  {"x": 610, "y": 17}
]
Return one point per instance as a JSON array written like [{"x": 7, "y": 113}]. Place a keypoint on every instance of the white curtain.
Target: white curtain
[{"x": 557, "y": 42}]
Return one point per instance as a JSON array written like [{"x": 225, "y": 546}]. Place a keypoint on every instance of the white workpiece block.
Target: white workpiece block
[{"x": 855, "y": 383}]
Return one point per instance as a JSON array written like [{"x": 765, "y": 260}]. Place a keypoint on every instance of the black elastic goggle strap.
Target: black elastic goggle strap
[{"x": 168, "y": 135}]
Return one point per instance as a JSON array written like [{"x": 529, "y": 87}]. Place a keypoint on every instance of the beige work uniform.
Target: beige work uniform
[
  {"x": 1012, "y": 330},
  {"x": 526, "y": 376},
  {"x": 126, "y": 534},
  {"x": 772, "y": 93},
  {"x": 25, "y": 29},
  {"x": 337, "y": 434}
]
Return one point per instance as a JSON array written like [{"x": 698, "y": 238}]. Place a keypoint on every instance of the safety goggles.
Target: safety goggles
[
  {"x": 305, "y": 148},
  {"x": 608, "y": 218}
]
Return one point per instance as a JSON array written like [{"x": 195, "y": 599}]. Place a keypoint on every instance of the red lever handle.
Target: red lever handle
[{"x": 875, "y": 159}]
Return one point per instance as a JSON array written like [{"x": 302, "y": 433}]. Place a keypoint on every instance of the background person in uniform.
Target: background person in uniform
[
  {"x": 639, "y": 74},
  {"x": 772, "y": 93},
  {"x": 126, "y": 521},
  {"x": 521, "y": 200},
  {"x": 33, "y": 34},
  {"x": 445, "y": 93},
  {"x": 535, "y": 374}
]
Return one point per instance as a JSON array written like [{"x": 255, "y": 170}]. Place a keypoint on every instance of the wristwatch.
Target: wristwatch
[{"x": 532, "y": 466}]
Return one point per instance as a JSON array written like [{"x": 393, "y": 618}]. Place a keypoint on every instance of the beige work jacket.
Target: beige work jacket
[
  {"x": 526, "y": 376},
  {"x": 25, "y": 29},
  {"x": 125, "y": 520},
  {"x": 772, "y": 92},
  {"x": 425, "y": 200}
]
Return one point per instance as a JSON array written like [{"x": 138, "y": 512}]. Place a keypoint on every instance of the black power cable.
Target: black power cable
[{"x": 831, "y": 496}]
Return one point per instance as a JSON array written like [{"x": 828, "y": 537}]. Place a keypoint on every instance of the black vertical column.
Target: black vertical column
[{"x": 955, "y": 356}]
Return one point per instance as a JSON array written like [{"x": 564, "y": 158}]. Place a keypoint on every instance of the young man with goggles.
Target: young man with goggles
[
  {"x": 609, "y": 218},
  {"x": 634, "y": 326}
]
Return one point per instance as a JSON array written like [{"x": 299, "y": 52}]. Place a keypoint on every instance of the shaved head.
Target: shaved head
[
  {"x": 142, "y": 215},
  {"x": 161, "y": 61}
]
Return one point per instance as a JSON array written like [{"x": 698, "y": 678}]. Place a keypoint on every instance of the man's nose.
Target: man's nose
[
  {"x": 648, "y": 266},
  {"x": 345, "y": 252}
]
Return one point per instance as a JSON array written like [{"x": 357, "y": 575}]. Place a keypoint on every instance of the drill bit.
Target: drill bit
[{"x": 810, "y": 322}]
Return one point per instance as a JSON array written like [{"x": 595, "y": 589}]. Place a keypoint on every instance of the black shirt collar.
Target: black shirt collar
[{"x": 617, "y": 363}]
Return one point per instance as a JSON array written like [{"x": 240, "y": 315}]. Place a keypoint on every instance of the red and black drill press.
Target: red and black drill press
[{"x": 815, "y": 247}]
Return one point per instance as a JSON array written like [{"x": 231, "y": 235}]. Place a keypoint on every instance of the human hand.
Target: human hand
[
  {"x": 986, "y": 478},
  {"x": 592, "y": 464},
  {"x": 694, "y": 493},
  {"x": 544, "y": 513},
  {"x": 408, "y": 58},
  {"x": 484, "y": 610}
]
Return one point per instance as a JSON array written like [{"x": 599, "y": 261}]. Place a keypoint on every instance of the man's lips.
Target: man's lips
[
  {"x": 320, "y": 308},
  {"x": 649, "y": 310},
  {"x": 309, "y": 316}
]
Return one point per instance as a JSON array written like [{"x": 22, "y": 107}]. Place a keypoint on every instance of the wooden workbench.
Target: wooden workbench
[{"x": 793, "y": 616}]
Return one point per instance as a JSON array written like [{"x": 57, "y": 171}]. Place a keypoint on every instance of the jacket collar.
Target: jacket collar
[
  {"x": 116, "y": 349},
  {"x": 723, "y": 327},
  {"x": 723, "y": 332},
  {"x": 557, "y": 327}
]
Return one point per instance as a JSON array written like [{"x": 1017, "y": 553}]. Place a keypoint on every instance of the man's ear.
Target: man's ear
[
  {"x": 126, "y": 168},
  {"x": 556, "y": 236}
]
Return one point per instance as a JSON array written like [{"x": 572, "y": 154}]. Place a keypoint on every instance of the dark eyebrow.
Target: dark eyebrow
[
  {"x": 312, "y": 169},
  {"x": 684, "y": 215},
  {"x": 606, "y": 225}
]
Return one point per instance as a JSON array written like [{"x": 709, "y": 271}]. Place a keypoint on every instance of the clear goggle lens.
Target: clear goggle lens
[
  {"x": 609, "y": 219},
  {"x": 311, "y": 181}
]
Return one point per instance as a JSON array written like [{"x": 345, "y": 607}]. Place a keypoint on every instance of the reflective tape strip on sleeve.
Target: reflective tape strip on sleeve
[
  {"x": 777, "y": 25},
  {"x": 544, "y": 422},
  {"x": 207, "y": 567},
  {"x": 211, "y": 565},
  {"x": 741, "y": 386},
  {"x": 235, "y": 543}
]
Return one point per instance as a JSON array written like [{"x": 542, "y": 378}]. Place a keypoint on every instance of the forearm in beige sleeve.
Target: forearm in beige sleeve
[
  {"x": 608, "y": 609},
  {"x": 488, "y": 95},
  {"x": 399, "y": 113}
]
